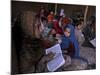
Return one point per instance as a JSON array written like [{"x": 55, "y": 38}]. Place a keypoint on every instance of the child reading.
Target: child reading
[
  {"x": 67, "y": 51},
  {"x": 66, "y": 44}
]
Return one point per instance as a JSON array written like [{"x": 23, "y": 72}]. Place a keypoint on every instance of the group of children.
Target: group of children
[{"x": 54, "y": 29}]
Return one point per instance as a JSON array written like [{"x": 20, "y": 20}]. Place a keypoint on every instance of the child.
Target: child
[
  {"x": 51, "y": 35},
  {"x": 69, "y": 43},
  {"x": 50, "y": 18},
  {"x": 48, "y": 37},
  {"x": 78, "y": 33},
  {"x": 56, "y": 26},
  {"x": 66, "y": 22},
  {"x": 66, "y": 44}
]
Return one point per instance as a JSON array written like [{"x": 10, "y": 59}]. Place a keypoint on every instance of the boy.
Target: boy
[{"x": 78, "y": 33}]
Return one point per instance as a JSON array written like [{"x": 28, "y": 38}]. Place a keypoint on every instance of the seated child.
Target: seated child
[
  {"x": 69, "y": 45},
  {"x": 50, "y": 18},
  {"x": 78, "y": 33},
  {"x": 48, "y": 37},
  {"x": 66, "y": 44},
  {"x": 66, "y": 22}
]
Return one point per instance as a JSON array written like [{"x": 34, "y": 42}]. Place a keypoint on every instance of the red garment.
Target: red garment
[
  {"x": 50, "y": 18},
  {"x": 57, "y": 27},
  {"x": 66, "y": 20}
]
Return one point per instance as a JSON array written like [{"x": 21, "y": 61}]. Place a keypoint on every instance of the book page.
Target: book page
[
  {"x": 56, "y": 49},
  {"x": 56, "y": 63},
  {"x": 93, "y": 42},
  {"x": 58, "y": 60}
]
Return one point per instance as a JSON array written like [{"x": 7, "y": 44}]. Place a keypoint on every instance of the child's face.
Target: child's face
[
  {"x": 67, "y": 33},
  {"x": 79, "y": 27}
]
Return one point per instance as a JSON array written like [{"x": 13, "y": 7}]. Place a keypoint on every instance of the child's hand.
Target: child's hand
[
  {"x": 59, "y": 41},
  {"x": 50, "y": 56},
  {"x": 65, "y": 51}
]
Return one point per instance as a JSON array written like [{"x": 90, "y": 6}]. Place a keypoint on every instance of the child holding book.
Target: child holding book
[{"x": 66, "y": 47}]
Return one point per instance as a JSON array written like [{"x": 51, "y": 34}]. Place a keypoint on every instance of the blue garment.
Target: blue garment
[
  {"x": 73, "y": 40},
  {"x": 65, "y": 42}
]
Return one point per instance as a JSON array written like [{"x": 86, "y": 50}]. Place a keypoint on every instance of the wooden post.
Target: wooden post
[
  {"x": 55, "y": 8},
  {"x": 85, "y": 15}
]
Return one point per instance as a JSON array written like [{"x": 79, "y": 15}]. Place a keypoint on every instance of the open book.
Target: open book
[{"x": 58, "y": 60}]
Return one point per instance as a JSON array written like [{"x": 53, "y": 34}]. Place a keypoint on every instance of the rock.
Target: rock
[
  {"x": 89, "y": 54},
  {"x": 67, "y": 60},
  {"x": 77, "y": 64}
]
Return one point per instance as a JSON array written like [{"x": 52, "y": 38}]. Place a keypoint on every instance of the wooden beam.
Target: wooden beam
[
  {"x": 85, "y": 15},
  {"x": 56, "y": 9}
]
